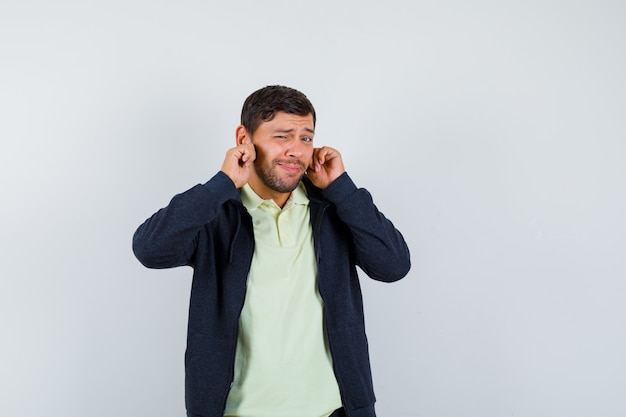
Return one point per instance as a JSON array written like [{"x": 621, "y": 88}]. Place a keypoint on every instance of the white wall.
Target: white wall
[{"x": 490, "y": 132}]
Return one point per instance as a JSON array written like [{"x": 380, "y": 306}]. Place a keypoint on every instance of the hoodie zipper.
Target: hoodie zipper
[
  {"x": 243, "y": 299},
  {"x": 318, "y": 227}
]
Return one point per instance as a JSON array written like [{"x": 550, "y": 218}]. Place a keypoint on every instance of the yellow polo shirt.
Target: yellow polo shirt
[{"x": 283, "y": 366}]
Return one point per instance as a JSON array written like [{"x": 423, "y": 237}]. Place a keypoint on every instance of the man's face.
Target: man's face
[{"x": 284, "y": 149}]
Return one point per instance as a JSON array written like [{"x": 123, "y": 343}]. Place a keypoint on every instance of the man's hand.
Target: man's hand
[
  {"x": 238, "y": 162},
  {"x": 326, "y": 166}
]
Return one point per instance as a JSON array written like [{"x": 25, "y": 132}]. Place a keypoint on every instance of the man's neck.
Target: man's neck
[{"x": 266, "y": 193}]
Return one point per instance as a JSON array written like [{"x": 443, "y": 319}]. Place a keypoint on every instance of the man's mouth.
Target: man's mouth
[{"x": 291, "y": 166}]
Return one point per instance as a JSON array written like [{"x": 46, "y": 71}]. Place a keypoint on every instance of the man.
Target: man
[{"x": 276, "y": 323}]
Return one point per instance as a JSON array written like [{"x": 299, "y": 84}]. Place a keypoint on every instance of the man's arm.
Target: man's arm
[
  {"x": 168, "y": 238},
  {"x": 380, "y": 248},
  {"x": 381, "y": 251}
]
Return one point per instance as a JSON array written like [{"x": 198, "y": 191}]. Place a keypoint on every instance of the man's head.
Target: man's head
[
  {"x": 262, "y": 105},
  {"x": 280, "y": 123}
]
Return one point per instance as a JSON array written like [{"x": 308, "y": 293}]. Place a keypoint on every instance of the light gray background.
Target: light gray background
[{"x": 491, "y": 132}]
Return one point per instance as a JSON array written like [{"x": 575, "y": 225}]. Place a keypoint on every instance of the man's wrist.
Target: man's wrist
[{"x": 340, "y": 188}]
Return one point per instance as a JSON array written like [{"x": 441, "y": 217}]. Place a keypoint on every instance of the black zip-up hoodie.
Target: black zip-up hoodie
[{"x": 209, "y": 229}]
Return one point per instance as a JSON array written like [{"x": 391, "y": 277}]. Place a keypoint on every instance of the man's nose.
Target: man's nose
[{"x": 295, "y": 149}]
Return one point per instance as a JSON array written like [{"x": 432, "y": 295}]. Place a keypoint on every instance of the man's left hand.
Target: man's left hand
[{"x": 325, "y": 167}]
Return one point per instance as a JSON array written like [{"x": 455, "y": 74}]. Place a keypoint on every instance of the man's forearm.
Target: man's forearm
[
  {"x": 167, "y": 238},
  {"x": 381, "y": 250}
]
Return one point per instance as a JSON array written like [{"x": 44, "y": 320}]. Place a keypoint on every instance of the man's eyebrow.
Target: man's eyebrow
[{"x": 312, "y": 131}]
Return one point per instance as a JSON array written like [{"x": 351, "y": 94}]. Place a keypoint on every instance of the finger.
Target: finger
[
  {"x": 325, "y": 155},
  {"x": 313, "y": 164},
  {"x": 250, "y": 153},
  {"x": 243, "y": 158},
  {"x": 245, "y": 154}
]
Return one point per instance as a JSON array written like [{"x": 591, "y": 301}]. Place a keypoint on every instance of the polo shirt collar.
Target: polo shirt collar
[{"x": 252, "y": 201}]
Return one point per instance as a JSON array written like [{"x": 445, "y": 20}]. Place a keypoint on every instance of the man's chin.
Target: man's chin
[
  {"x": 286, "y": 187},
  {"x": 280, "y": 181}
]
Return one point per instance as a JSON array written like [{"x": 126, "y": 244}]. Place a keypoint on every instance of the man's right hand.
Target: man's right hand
[{"x": 238, "y": 163}]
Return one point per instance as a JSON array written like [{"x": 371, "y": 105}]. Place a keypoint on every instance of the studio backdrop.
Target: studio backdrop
[{"x": 491, "y": 133}]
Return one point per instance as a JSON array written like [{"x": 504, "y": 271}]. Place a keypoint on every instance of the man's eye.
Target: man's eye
[{"x": 307, "y": 139}]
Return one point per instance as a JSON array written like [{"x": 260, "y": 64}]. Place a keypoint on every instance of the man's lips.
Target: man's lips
[{"x": 292, "y": 167}]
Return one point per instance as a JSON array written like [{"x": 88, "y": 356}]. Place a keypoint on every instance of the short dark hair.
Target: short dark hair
[{"x": 262, "y": 105}]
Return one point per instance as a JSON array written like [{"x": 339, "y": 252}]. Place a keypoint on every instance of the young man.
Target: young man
[{"x": 276, "y": 324}]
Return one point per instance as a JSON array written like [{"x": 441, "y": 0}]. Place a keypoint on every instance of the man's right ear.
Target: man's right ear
[{"x": 241, "y": 135}]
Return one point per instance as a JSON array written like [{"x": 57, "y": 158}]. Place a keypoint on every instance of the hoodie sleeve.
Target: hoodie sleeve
[
  {"x": 381, "y": 251},
  {"x": 168, "y": 238}
]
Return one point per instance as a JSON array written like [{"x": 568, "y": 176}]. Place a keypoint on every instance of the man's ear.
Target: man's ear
[{"x": 242, "y": 136}]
